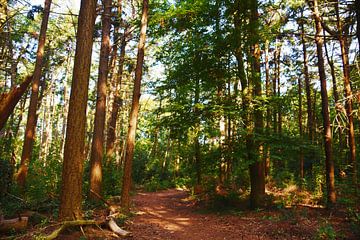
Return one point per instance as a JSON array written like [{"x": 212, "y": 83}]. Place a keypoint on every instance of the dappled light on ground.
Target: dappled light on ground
[{"x": 171, "y": 214}]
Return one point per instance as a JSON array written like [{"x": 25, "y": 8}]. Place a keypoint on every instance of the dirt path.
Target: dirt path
[{"x": 170, "y": 215}]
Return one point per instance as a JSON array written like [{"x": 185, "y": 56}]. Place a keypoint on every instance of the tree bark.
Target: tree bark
[
  {"x": 344, "y": 47},
  {"x": 301, "y": 153},
  {"x": 71, "y": 187},
  {"x": 97, "y": 147},
  {"x": 32, "y": 116},
  {"x": 257, "y": 173},
  {"x": 330, "y": 178},
  {"x": 9, "y": 100},
  {"x": 117, "y": 103},
  {"x": 130, "y": 141},
  {"x": 357, "y": 7},
  {"x": 310, "y": 127}
]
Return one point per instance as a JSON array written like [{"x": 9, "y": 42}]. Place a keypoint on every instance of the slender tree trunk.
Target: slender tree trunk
[
  {"x": 357, "y": 7},
  {"x": 330, "y": 178},
  {"x": 268, "y": 109},
  {"x": 117, "y": 103},
  {"x": 29, "y": 137},
  {"x": 310, "y": 127},
  {"x": 97, "y": 147},
  {"x": 71, "y": 187},
  {"x": 279, "y": 88},
  {"x": 197, "y": 134},
  {"x": 257, "y": 173},
  {"x": 301, "y": 153},
  {"x": 344, "y": 47},
  {"x": 130, "y": 141},
  {"x": 274, "y": 87}
]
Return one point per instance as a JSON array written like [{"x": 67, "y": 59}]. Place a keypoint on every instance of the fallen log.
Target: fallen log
[{"x": 15, "y": 224}]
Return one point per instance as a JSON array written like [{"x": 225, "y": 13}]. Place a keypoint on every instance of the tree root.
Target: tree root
[
  {"x": 67, "y": 224},
  {"x": 109, "y": 219}
]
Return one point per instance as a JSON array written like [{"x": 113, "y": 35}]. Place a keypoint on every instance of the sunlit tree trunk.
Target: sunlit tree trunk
[
  {"x": 29, "y": 137},
  {"x": 9, "y": 100},
  {"x": 71, "y": 186},
  {"x": 130, "y": 141},
  {"x": 330, "y": 178},
  {"x": 97, "y": 147}
]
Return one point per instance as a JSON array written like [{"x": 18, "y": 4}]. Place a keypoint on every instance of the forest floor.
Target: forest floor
[
  {"x": 175, "y": 214},
  {"x": 172, "y": 214}
]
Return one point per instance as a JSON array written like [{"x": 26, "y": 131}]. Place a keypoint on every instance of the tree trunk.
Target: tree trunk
[
  {"x": 344, "y": 46},
  {"x": 310, "y": 127},
  {"x": 71, "y": 187},
  {"x": 330, "y": 179},
  {"x": 257, "y": 173},
  {"x": 9, "y": 100},
  {"x": 301, "y": 153},
  {"x": 278, "y": 59},
  {"x": 117, "y": 84},
  {"x": 117, "y": 103},
  {"x": 97, "y": 147},
  {"x": 130, "y": 141},
  {"x": 32, "y": 116},
  {"x": 274, "y": 87},
  {"x": 357, "y": 7},
  {"x": 268, "y": 108}
]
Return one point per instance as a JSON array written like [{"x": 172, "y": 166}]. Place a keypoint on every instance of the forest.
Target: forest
[{"x": 179, "y": 119}]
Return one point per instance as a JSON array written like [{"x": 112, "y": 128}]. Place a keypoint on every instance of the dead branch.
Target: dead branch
[
  {"x": 67, "y": 224},
  {"x": 17, "y": 224}
]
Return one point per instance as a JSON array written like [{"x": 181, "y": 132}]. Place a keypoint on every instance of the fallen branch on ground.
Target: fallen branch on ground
[
  {"x": 67, "y": 224},
  {"x": 17, "y": 224},
  {"x": 112, "y": 223}
]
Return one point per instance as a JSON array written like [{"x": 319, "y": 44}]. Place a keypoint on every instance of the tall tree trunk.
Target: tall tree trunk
[
  {"x": 268, "y": 108},
  {"x": 130, "y": 141},
  {"x": 278, "y": 59},
  {"x": 344, "y": 47},
  {"x": 197, "y": 134},
  {"x": 117, "y": 84},
  {"x": 97, "y": 147},
  {"x": 29, "y": 137},
  {"x": 117, "y": 103},
  {"x": 257, "y": 173},
  {"x": 357, "y": 7},
  {"x": 330, "y": 178},
  {"x": 274, "y": 87},
  {"x": 301, "y": 153},
  {"x": 310, "y": 126},
  {"x": 71, "y": 186}
]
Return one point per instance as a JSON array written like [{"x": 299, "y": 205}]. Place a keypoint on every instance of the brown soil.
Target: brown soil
[{"x": 170, "y": 214}]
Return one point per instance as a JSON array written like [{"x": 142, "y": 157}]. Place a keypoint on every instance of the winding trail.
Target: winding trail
[{"x": 169, "y": 214}]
